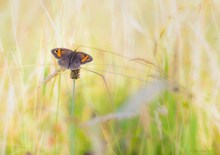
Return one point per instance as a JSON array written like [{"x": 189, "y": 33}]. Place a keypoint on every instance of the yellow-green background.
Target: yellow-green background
[{"x": 179, "y": 37}]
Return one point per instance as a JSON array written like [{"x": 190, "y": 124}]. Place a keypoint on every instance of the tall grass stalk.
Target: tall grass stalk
[
  {"x": 57, "y": 110},
  {"x": 71, "y": 127}
]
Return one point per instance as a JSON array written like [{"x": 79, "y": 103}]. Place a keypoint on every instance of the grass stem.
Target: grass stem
[{"x": 71, "y": 127}]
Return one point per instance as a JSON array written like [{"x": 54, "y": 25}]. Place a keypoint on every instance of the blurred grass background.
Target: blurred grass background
[{"x": 179, "y": 37}]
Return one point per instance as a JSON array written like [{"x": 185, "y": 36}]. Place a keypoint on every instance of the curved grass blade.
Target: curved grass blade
[{"x": 110, "y": 98}]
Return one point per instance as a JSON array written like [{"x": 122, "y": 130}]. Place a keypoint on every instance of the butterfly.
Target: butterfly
[{"x": 69, "y": 59}]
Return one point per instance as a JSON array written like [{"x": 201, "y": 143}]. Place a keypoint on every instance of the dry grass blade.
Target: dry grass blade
[
  {"x": 8, "y": 117},
  {"x": 147, "y": 62},
  {"x": 110, "y": 98},
  {"x": 51, "y": 76},
  {"x": 123, "y": 75},
  {"x": 46, "y": 80},
  {"x": 103, "y": 51},
  {"x": 108, "y": 117}
]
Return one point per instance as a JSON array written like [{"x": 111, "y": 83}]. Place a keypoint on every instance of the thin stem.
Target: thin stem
[
  {"x": 71, "y": 127},
  {"x": 57, "y": 112}
]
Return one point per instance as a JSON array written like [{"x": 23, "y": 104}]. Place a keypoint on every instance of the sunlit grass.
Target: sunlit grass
[{"x": 145, "y": 44}]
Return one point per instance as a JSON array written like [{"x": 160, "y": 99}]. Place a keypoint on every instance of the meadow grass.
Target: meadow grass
[{"x": 155, "y": 90}]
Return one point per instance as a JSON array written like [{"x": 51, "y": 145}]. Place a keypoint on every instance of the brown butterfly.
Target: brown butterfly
[{"x": 69, "y": 59}]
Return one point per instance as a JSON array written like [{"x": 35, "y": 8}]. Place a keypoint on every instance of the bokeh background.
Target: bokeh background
[{"x": 156, "y": 84}]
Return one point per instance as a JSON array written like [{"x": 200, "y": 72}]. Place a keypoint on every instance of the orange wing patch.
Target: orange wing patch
[
  {"x": 59, "y": 53},
  {"x": 85, "y": 58}
]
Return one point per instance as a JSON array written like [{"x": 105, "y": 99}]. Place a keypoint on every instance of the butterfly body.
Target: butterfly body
[{"x": 69, "y": 59}]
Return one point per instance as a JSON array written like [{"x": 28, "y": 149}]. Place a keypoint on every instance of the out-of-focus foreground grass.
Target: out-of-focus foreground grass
[{"x": 136, "y": 117}]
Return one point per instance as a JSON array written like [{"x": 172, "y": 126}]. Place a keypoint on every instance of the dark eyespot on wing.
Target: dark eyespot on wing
[
  {"x": 54, "y": 52},
  {"x": 88, "y": 59}
]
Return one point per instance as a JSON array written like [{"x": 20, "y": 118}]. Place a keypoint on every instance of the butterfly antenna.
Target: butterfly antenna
[{"x": 110, "y": 98}]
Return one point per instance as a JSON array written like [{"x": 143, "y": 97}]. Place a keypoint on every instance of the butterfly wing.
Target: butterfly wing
[
  {"x": 61, "y": 53},
  {"x": 83, "y": 57},
  {"x": 79, "y": 58}
]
